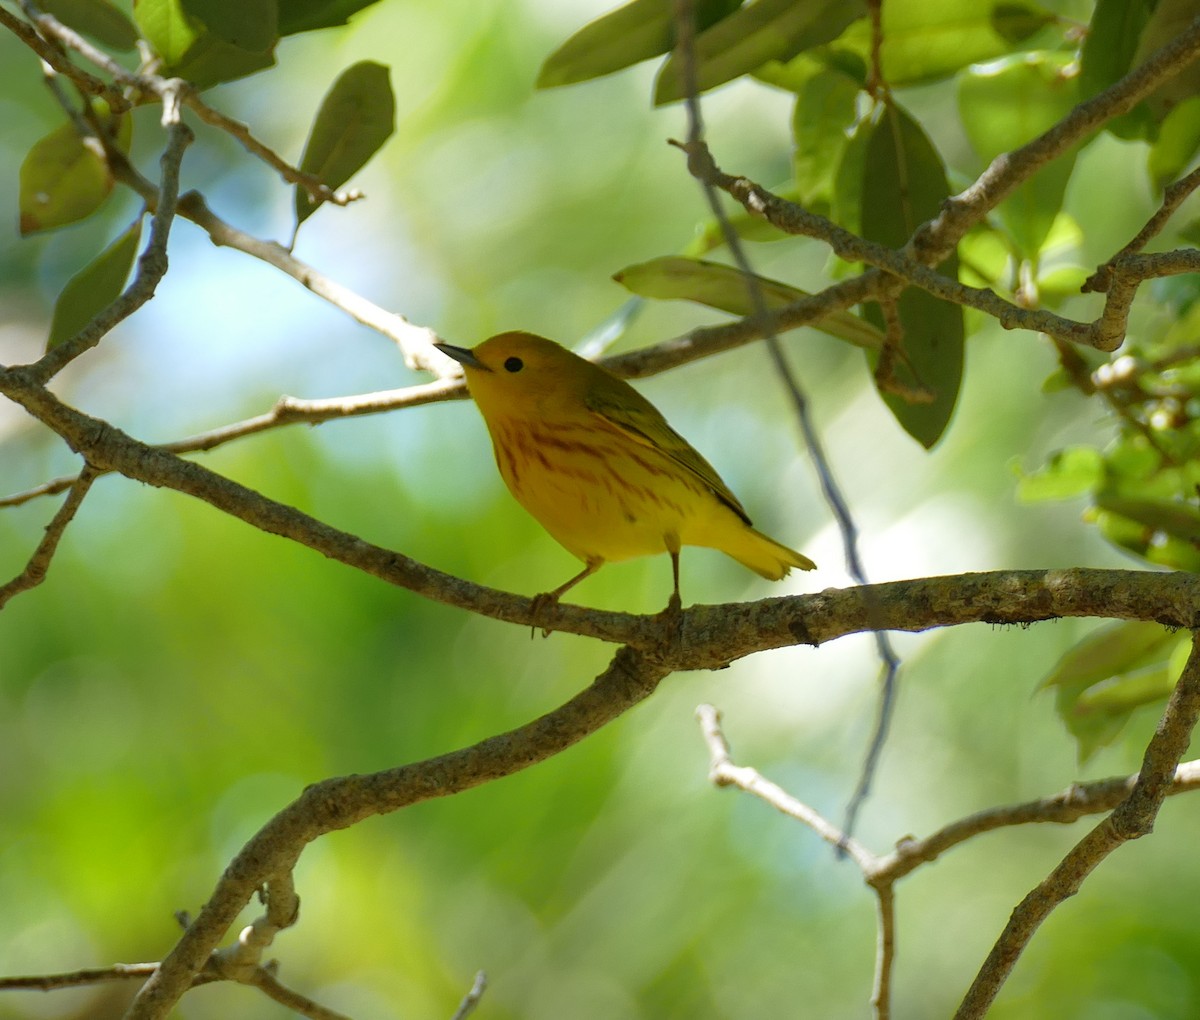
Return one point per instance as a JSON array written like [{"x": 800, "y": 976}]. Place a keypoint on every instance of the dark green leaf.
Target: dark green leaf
[
  {"x": 94, "y": 287},
  {"x": 357, "y": 116},
  {"x": 1177, "y": 144},
  {"x": 210, "y": 41},
  {"x": 96, "y": 18},
  {"x": 723, "y": 287},
  {"x": 904, "y": 184},
  {"x": 1108, "y": 55},
  {"x": 1111, "y": 42},
  {"x": 1016, "y": 22},
  {"x": 1003, "y": 106},
  {"x": 759, "y": 32},
  {"x": 1170, "y": 19},
  {"x": 307, "y": 15},
  {"x": 638, "y": 31}
]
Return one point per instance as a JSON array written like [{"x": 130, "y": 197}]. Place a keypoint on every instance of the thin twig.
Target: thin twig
[
  {"x": 264, "y": 980},
  {"x": 54, "y": 57},
  {"x": 78, "y": 978},
  {"x": 1105, "y": 333},
  {"x": 881, "y": 872},
  {"x": 1173, "y": 198},
  {"x": 723, "y": 772},
  {"x": 473, "y": 997},
  {"x": 143, "y": 82},
  {"x": 1064, "y": 808},
  {"x": 341, "y": 802},
  {"x": 152, "y": 264},
  {"x": 938, "y": 238},
  {"x": 35, "y": 570},
  {"x": 830, "y": 489}
]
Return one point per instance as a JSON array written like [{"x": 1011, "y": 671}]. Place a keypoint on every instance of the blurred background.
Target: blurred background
[{"x": 179, "y": 677}]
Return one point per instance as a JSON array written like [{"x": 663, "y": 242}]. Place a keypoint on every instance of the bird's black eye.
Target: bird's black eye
[{"x": 513, "y": 364}]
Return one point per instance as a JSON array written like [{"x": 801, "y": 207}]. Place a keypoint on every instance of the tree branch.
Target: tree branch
[
  {"x": 1132, "y": 818},
  {"x": 152, "y": 264},
  {"x": 883, "y": 871},
  {"x": 338, "y": 803},
  {"x": 57, "y": 35},
  {"x": 35, "y": 570}
]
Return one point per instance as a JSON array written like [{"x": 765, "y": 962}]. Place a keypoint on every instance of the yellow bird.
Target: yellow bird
[{"x": 598, "y": 466}]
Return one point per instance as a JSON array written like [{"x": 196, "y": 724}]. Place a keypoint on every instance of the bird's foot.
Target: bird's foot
[
  {"x": 541, "y": 604},
  {"x": 671, "y": 618}
]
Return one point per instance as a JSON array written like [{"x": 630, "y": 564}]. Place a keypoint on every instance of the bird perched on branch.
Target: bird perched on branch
[{"x": 598, "y": 466}]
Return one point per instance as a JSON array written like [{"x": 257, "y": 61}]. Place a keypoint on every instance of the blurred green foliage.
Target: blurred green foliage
[{"x": 178, "y": 677}]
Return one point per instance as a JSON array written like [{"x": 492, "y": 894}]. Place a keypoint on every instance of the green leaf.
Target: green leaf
[
  {"x": 1068, "y": 474},
  {"x": 723, "y": 287},
  {"x": 1177, "y": 144},
  {"x": 759, "y": 32},
  {"x": 638, "y": 31},
  {"x": 1110, "y": 673},
  {"x": 357, "y": 115},
  {"x": 826, "y": 107},
  {"x": 307, "y": 15},
  {"x": 98, "y": 19},
  {"x": 848, "y": 181},
  {"x": 1115, "y": 43},
  {"x": 1177, "y": 519},
  {"x": 904, "y": 184},
  {"x": 924, "y": 40},
  {"x": 62, "y": 180},
  {"x": 1003, "y": 106},
  {"x": 96, "y": 286},
  {"x": 1113, "y": 648},
  {"x": 1170, "y": 19},
  {"x": 210, "y": 41},
  {"x": 1111, "y": 41}
]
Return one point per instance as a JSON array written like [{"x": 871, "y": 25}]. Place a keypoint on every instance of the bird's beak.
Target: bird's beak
[{"x": 463, "y": 356}]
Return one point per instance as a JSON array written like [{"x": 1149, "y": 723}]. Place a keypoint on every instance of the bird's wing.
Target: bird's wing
[{"x": 636, "y": 418}]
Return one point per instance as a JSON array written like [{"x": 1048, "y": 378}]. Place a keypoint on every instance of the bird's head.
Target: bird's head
[{"x": 517, "y": 369}]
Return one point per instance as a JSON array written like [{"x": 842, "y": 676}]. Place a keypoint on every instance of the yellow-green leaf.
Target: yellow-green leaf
[
  {"x": 62, "y": 180},
  {"x": 95, "y": 286},
  {"x": 724, "y": 287},
  {"x": 924, "y": 40},
  {"x": 638, "y": 31},
  {"x": 1108, "y": 650},
  {"x": 1113, "y": 671}
]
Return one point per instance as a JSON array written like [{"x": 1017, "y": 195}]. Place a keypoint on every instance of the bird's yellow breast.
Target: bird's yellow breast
[{"x": 600, "y": 494}]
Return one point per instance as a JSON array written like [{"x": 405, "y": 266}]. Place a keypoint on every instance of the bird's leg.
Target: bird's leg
[
  {"x": 672, "y": 616},
  {"x": 548, "y": 598}
]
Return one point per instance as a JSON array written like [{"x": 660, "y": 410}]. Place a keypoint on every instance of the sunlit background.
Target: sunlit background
[{"x": 180, "y": 677}]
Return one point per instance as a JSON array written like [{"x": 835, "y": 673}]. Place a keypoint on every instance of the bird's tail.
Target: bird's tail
[{"x": 765, "y": 556}]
